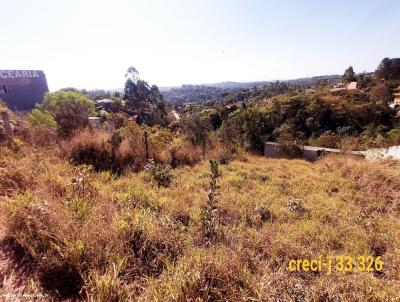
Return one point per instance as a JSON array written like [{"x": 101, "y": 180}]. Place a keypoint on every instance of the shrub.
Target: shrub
[
  {"x": 328, "y": 139},
  {"x": 70, "y": 110},
  {"x": 225, "y": 153},
  {"x": 393, "y": 137},
  {"x": 185, "y": 154},
  {"x": 42, "y": 118},
  {"x": 43, "y": 136},
  {"x": 100, "y": 150},
  {"x": 90, "y": 148},
  {"x": 288, "y": 146},
  {"x": 349, "y": 143},
  {"x": 15, "y": 145},
  {"x": 14, "y": 179},
  {"x": 118, "y": 119},
  {"x": 161, "y": 173}
]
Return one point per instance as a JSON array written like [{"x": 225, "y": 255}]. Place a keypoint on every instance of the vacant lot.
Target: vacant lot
[{"x": 86, "y": 235}]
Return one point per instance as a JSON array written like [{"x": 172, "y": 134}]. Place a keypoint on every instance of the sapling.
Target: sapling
[{"x": 209, "y": 220}]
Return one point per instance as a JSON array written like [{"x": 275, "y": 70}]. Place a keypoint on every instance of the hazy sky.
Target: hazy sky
[{"x": 91, "y": 43}]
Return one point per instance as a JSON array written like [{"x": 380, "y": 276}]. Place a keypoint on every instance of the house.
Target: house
[
  {"x": 105, "y": 104},
  {"x": 352, "y": 86},
  {"x": 342, "y": 87}
]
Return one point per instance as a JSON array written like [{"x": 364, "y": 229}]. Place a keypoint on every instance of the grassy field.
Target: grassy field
[{"x": 95, "y": 236}]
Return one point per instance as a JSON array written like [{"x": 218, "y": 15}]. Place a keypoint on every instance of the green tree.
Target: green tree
[
  {"x": 143, "y": 99},
  {"x": 383, "y": 70},
  {"x": 349, "y": 75},
  {"x": 197, "y": 126},
  {"x": 388, "y": 69},
  {"x": 70, "y": 109}
]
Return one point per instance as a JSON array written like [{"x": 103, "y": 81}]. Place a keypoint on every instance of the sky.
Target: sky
[{"x": 91, "y": 43}]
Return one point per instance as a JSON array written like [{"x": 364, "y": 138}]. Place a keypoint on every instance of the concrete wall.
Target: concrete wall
[
  {"x": 271, "y": 150},
  {"x": 308, "y": 153},
  {"x": 383, "y": 153},
  {"x": 311, "y": 155}
]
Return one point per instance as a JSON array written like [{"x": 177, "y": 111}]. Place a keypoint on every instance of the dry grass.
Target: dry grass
[
  {"x": 100, "y": 237},
  {"x": 125, "y": 150}
]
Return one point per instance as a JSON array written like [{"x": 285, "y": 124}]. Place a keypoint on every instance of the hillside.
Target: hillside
[
  {"x": 133, "y": 200},
  {"x": 96, "y": 236},
  {"x": 204, "y": 93}
]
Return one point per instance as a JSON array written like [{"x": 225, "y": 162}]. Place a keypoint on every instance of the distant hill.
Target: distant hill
[
  {"x": 193, "y": 94},
  {"x": 312, "y": 81},
  {"x": 237, "y": 85},
  {"x": 240, "y": 85},
  {"x": 222, "y": 85},
  {"x": 214, "y": 91}
]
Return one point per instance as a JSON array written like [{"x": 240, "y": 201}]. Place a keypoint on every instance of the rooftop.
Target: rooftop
[{"x": 105, "y": 101}]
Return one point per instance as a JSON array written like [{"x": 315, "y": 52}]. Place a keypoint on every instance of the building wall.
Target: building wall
[{"x": 22, "y": 89}]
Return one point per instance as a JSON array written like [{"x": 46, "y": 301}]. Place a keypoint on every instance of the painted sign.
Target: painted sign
[
  {"x": 22, "y": 89},
  {"x": 16, "y": 74}
]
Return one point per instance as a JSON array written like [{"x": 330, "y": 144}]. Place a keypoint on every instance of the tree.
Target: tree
[
  {"x": 145, "y": 100},
  {"x": 388, "y": 69},
  {"x": 136, "y": 91},
  {"x": 197, "y": 126},
  {"x": 383, "y": 70},
  {"x": 395, "y": 68},
  {"x": 70, "y": 110},
  {"x": 132, "y": 73},
  {"x": 349, "y": 75}
]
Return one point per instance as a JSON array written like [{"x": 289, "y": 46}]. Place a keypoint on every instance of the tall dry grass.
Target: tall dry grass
[{"x": 96, "y": 236}]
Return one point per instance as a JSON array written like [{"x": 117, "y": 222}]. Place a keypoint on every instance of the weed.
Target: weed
[
  {"x": 208, "y": 218},
  {"x": 160, "y": 173}
]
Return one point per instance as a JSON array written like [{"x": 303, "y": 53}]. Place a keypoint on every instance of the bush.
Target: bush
[
  {"x": 161, "y": 173},
  {"x": 124, "y": 149},
  {"x": 328, "y": 139},
  {"x": 70, "y": 110},
  {"x": 42, "y": 118},
  {"x": 118, "y": 119},
  {"x": 288, "y": 146},
  {"x": 187, "y": 154},
  {"x": 393, "y": 137},
  {"x": 43, "y": 127},
  {"x": 94, "y": 148}
]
